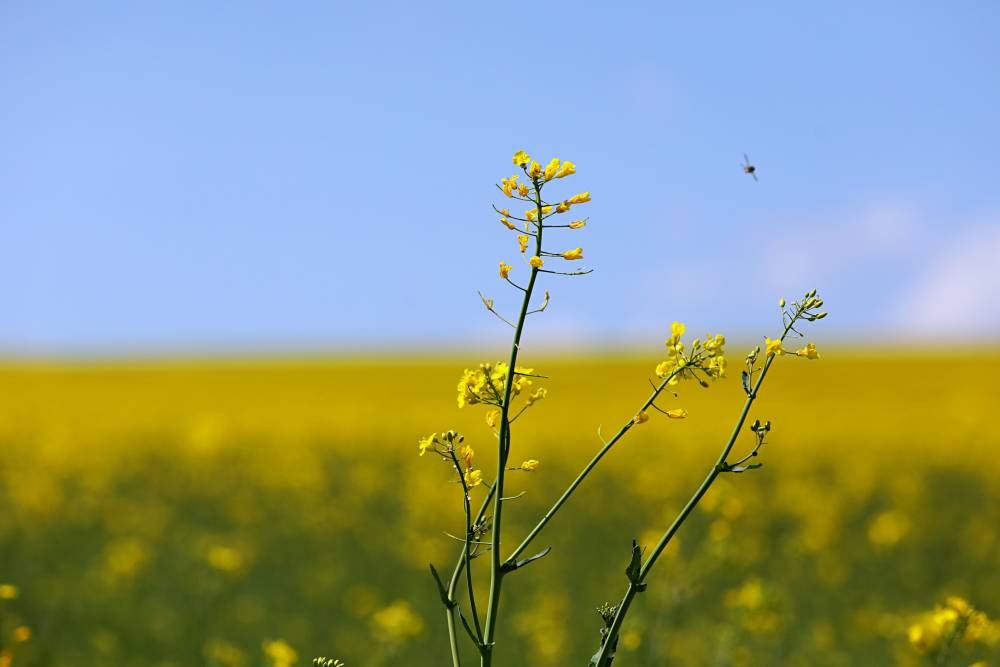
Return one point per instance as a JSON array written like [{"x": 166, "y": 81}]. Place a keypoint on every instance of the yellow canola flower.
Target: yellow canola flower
[
  {"x": 492, "y": 418},
  {"x": 9, "y": 592},
  {"x": 427, "y": 443},
  {"x": 578, "y": 224},
  {"x": 546, "y": 210},
  {"x": 530, "y": 465},
  {"x": 473, "y": 478},
  {"x": 21, "y": 634},
  {"x": 568, "y": 169},
  {"x": 640, "y": 418},
  {"x": 773, "y": 346},
  {"x": 465, "y": 454},
  {"x": 552, "y": 169},
  {"x": 531, "y": 214},
  {"x": 536, "y": 262},
  {"x": 717, "y": 366},
  {"x": 521, "y": 158},
  {"x": 535, "y": 170},
  {"x": 809, "y": 352},
  {"x": 538, "y": 395},
  {"x": 507, "y": 223},
  {"x": 522, "y": 190},
  {"x": 580, "y": 198},
  {"x": 505, "y": 269},
  {"x": 677, "y": 329},
  {"x": 575, "y": 253},
  {"x": 508, "y": 185},
  {"x": 677, "y": 413},
  {"x": 522, "y": 240},
  {"x": 563, "y": 207}
]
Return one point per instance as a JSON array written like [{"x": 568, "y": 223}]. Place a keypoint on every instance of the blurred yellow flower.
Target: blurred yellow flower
[
  {"x": 521, "y": 158},
  {"x": 522, "y": 240},
  {"x": 640, "y": 418},
  {"x": 397, "y": 623},
  {"x": 531, "y": 214},
  {"x": 280, "y": 653},
  {"x": 575, "y": 253},
  {"x": 427, "y": 443},
  {"x": 535, "y": 170},
  {"x": 677, "y": 329},
  {"x": 522, "y": 190},
  {"x": 226, "y": 559},
  {"x": 507, "y": 223},
  {"x": 505, "y": 269},
  {"x": 578, "y": 224},
  {"x": 21, "y": 634},
  {"x": 530, "y": 465},
  {"x": 536, "y": 262},
  {"x": 563, "y": 207},
  {"x": 677, "y": 413},
  {"x": 580, "y": 198},
  {"x": 9, "y": 592},
  {"x": 492, "y": 418}
]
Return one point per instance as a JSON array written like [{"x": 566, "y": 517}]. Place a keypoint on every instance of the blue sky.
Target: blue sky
[{"x": 319, "y": 175}]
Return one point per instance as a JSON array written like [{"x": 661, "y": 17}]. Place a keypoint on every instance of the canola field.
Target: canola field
[{"x": 265, "y": 512}]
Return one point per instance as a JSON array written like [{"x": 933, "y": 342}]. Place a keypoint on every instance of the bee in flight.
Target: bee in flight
[{"x": 749, "y": 168}]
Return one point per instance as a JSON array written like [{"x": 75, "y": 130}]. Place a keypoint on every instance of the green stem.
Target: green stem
[
  {"x": 466, "y": 555},
  {"x": 503, "y": 441},
  {"x": 586, "y": 471},
  {"x": 456, "y": 660}
]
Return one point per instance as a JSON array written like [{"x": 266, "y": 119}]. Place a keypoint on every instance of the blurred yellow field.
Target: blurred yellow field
[{"x": 187, "y": 513}]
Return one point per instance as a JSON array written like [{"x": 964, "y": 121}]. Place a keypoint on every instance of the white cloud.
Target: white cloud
[
  {"x": 814, "y": 251},
  {"x": 958, "y": 294}
]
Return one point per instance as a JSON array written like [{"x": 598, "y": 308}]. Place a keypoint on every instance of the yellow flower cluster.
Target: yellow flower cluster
[
  {"x": 486, "y": 384},
  {"x": 955, "y": 620},
  {"x": 707, "y": 356}
]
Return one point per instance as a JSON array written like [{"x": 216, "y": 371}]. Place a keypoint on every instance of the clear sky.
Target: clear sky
[{"x": 193, "y": 175}]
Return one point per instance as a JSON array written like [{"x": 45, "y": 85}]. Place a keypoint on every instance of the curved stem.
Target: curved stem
[{"x": 586, "y": 471}]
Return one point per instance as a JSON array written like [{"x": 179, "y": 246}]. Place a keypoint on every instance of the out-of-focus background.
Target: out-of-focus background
[{"x": 241, "y": 248}]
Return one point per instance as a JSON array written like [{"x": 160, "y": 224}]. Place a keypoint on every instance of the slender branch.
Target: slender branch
[
  {"x": 590, "y": 466},
  {"x": 456, "y": 660},
  {"x": 468, "y": 540},
  {"x": 568, "y": 273}
]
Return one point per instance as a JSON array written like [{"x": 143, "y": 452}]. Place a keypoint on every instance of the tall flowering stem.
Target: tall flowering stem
[{"x": 503, "y": 441}]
